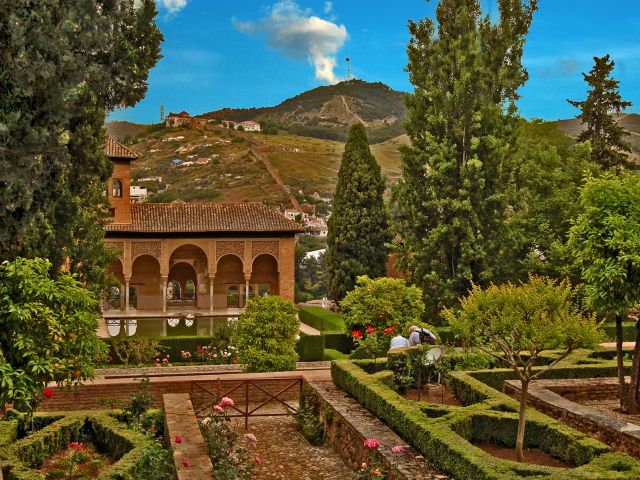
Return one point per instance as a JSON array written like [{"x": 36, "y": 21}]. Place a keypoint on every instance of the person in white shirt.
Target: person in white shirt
[
  {"x": 398, "y": 342},
  {"x": 414, "y": 336}
]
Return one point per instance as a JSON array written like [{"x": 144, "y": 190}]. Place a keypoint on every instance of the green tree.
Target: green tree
[
  {"x": 65, "y": 65},
  {"x": 515, "y": 323},
  {"x": 381, "y": 303},
  {"x": 605, "y": 241},
  {"x": 547, "y": 174},
  {"x": 266, "y": 335},
  {"x": 450, "y": 203},
  {"x": 47, "y": 331},
  {"x": 358, "y": 226},
  {"x": 608, "y": 148}
]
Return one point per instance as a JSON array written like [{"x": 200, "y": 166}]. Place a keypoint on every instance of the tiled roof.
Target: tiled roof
[
  {"x": 204, "y": 217},
  {"x": 115, "y": 149},
  {"x": 182, "y": 114}
]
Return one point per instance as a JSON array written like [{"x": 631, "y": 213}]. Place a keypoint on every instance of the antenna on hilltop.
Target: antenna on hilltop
[
  {"x": 348, "y": 69},
  {"x": 161, "y": 113}
]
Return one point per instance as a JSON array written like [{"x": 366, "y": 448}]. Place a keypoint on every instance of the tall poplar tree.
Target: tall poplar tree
[
  {"x": 608, "y": 148},
  {"x": 450, "y": 203},
  {"x": 64, "y": 65},
  {"x": 358, "y": 226}
]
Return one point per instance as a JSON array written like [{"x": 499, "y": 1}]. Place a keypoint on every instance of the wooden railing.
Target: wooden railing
[{"x": 241, "y": 389}]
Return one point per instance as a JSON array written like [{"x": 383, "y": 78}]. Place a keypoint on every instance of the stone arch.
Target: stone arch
[
  {"x": 229, "y": 276},
  {"x": 182, "y": 273},
  {"x": 265, "y": 275},
  {"x": 189, "y": 261},
  {"x": 146, "y": 283},
  {"x": 115, "y": 299}
]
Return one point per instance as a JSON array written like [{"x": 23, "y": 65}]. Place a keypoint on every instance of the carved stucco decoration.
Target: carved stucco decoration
[
  {"x": 119, "y": 246},
  {"x": 270, "y": 247},
  {"x": 229, "y": 247},
  {"x": 145, "y": 248}
]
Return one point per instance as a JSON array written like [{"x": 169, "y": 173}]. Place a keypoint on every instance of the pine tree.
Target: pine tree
[
  {"x": 358, "y": 227},
  {"x": 64, "y": 66},
  {"x": 450, "y": 203},
  {"x": 608, "y": 148}
]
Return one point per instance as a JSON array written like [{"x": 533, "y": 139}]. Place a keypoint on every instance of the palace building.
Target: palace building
[{"x": 190, "y": 262}]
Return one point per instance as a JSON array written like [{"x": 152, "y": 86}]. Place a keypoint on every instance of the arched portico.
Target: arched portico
[
  {"x": 265, "y": 277},
  {"x": 143, "y": 288},
  {"x": 229, "y": 282},
  {"x": 185, "y": 276},
  {"x": 116, "y": 296}
]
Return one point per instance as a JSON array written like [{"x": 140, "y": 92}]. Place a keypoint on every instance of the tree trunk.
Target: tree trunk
[
  {"x": 521, "y": 420},
  {"x": 632, "y": 394},
  {"x": 621, "y": 383}
]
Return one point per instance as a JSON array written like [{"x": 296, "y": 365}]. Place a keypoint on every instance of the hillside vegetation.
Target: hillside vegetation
[{"x": 329, "y": 111}]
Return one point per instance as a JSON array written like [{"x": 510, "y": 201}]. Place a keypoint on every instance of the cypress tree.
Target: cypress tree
[
  {"x": 358, "y": 227},
  {"x": 450, "y": 203},
  {"x": 608, "y": 148}
]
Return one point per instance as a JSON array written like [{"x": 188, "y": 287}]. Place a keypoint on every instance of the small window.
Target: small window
[{"x": 117, "y": 188}]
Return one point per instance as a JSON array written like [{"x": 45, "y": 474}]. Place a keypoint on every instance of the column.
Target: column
[
  {"x": 126, "y": 295},
  {"x": 211, "y": 294},
  {"x": 164, "y": 294},
  {"x": 122, "y": 296},
  {"x": 246, "y": 291}
]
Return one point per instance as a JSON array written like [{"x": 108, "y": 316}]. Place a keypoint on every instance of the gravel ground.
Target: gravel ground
[
  {"x": 287, "y": 455},
  {"x": 611, "y": 408}
]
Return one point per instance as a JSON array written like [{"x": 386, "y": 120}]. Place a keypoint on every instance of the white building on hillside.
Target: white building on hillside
[{"x": 138, "y": 194}]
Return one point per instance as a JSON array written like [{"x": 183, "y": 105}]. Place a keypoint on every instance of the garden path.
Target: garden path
[{"x": 285, "y": 454}]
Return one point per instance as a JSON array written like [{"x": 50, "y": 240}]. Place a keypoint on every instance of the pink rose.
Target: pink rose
[
  {"x": 218, "y": 408},
  {"x": 258, "y": 460},
  {"x": 398, "y": 449},
  {"x": 250, "y": 437},
  {"x": 178, "y": 439},
  {"x": 372, "y": 443},
  {"x": 186, "y": 462}
]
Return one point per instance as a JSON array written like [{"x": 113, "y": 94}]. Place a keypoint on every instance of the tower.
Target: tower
[
  {"x": 348, "y": 69},
  {"x": 161, "y": 113}
]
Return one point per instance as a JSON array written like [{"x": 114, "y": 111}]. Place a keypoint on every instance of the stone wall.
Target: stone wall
[
  {"x": 542, "y": 394},
  {"x": 89, "y": 396},
  {"x": 180, "y": 421},
  {"x": 347, "y": 424}
]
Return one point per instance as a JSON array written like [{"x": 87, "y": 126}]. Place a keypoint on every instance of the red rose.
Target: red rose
[
  {"x": 370, "y": 330},
  {"x": 357, "y": 334},
  {"x": 389, "y": 331},
  {"x": 47, "y": 392},
  {"x": 178, "y": 439}
]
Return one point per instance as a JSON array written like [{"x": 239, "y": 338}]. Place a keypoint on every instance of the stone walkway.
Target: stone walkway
[
  {"x": 286, "y": 455},
  {"x": 126, "y": 372},
  {"x": 612, "y": 345}
]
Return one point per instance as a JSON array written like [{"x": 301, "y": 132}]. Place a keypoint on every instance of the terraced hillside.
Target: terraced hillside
[{"x": 212, "y": 163}]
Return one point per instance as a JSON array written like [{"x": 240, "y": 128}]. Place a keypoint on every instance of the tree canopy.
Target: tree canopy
[
  {"x": 450, "y": 203},
  {"x": 47, "y": 331},
  {"x": 515, "y": 323},
  {"x": 358, "y": 226},
  {"x": 64, "y": 65},
  {"x": 608, "y": 148}
]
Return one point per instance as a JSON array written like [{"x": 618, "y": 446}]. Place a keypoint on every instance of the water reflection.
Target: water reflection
[{"x": 167, "y": 327}]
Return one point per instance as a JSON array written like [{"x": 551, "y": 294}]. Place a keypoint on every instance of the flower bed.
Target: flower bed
[
  {"x": 445, "y": 436},
  {"x": 133, "y": 453}
]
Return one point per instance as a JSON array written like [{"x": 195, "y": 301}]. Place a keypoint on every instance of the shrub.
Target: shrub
[
  {"x": 308, "y": 417},
  {"x": 381, "y": 303},
  {"x": 310, "y": 348},
  {"x": 337, "y": 340},
  {"x": 330, "y": 354},
  {"x": 266, "y": 335},
  {"x": 136, "y": 350},
  {"x": 321, "y": 318}
]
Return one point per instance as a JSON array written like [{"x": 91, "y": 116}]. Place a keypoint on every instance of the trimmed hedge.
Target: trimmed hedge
[
  {"x": 21, "y": 460},
  {"x": 330, "y": 354},
  {"x": 339, "y": 341},
  {"x": 171, "y": 346},
  {"x": 443, "y": 435},
  {"x": 628, "y": 331},
  {"x": 321, "y": 318},
  {"x": 310, "y": 348}
]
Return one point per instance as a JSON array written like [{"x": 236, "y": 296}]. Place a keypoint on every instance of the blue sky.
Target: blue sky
[{"x": 254, "y": 53}]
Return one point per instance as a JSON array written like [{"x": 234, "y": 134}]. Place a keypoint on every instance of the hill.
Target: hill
[
  {"x": 630, "y": 121},
  {"x": 120, "y": 130},
  {"x": 241, "y": 166},
  {"x": 327, "y": 112}
]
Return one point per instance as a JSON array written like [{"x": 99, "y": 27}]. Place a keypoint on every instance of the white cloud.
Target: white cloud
[
  {"x": 300, "y": 35},
  {"x": 173, "y": 6},
  {"x": 328, "y": 7}
]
